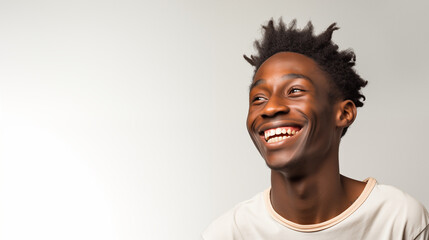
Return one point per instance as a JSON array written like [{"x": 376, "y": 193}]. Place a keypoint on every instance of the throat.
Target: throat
[{"x": 306, "y": 201}]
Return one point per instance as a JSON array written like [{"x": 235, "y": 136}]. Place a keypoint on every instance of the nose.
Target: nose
[{"x": 274, "y": 107}]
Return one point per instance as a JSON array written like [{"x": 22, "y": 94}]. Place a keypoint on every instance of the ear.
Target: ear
[{"x": 346, "y": 113}]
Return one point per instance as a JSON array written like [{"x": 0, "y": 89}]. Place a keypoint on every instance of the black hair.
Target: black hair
[{"x": 338, "y": 64}]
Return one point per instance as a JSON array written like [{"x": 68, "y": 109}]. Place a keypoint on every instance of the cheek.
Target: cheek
[
  {"x": 324, "y": 121},
  {"x": 251, "y": 115},
  {"x": 248, "y": 120}
]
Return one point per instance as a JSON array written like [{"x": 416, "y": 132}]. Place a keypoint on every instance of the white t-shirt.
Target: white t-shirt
[{"x": 381, "y": 212}]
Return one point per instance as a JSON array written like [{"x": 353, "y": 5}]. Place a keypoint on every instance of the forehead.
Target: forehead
[{"x": 284, "y": 63}]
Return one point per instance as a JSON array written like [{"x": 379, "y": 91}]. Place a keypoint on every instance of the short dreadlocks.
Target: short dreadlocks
[{"x": 338, "y": 64}]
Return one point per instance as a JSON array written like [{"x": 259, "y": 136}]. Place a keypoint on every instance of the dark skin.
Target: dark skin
[{"x": 290, "y": 91}]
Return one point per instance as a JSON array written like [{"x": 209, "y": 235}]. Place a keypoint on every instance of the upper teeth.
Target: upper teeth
[{"x": 279, "y": 131}]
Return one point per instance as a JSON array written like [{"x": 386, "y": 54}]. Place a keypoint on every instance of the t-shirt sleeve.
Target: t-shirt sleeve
[
  {"x": 418, "y": 219},
  {"x": 423, "y": 235}
]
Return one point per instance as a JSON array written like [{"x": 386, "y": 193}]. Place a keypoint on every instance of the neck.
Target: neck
[{"x": 315, "y": 197}]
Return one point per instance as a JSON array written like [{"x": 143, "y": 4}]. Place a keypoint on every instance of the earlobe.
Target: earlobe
[{"x": 346, "y": 113}]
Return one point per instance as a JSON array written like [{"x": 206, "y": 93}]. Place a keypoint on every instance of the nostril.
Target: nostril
[{"x": 271, "y": 111}]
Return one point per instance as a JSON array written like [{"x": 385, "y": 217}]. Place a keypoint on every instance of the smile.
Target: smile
[{"x": 281, "y": 133}]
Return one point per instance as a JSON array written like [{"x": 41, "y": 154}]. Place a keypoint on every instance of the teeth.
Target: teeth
[{"x": 278, "y": 131}]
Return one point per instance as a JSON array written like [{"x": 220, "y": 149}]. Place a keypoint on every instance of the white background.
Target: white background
[{"x": 126, "y": 119}]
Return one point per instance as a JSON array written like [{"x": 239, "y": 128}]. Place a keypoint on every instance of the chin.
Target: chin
[
  {"x": 276, "y": 164},
  {"x": 282, "y": 163}
]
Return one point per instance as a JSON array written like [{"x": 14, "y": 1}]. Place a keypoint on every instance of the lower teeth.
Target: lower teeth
[{"x": 277, "y": 139}]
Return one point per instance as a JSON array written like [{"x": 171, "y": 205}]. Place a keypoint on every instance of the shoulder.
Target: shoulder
[
  {"x": 227, "y": 226},
  {"x": 404, "y": 211},
  {"x": 394, "y": 197}
]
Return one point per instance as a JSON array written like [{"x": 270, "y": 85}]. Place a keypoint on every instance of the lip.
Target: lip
[
  {"x": 280, "y": 142},
  {"x": 278, "y": 124}
]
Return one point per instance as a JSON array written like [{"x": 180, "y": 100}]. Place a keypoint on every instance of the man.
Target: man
[{"x": 302, "y": 99}]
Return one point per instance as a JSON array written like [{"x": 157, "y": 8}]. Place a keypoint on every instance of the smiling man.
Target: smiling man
[{"x": 302, "y": 100}]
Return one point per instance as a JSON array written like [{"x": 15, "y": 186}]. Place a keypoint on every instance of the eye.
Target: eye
[
  {"x": 295, "y": 90},
  {"x": 258, "y": 100}
]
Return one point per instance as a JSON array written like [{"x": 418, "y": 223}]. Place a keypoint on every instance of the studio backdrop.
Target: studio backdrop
[{"x": 126, "y": 119}]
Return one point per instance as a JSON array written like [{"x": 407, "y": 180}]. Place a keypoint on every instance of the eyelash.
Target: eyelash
[
  {"x": 258, "y": 98},
  {"x": 291, "y": 91}
]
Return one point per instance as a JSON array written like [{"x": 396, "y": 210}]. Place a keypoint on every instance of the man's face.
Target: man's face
[{"x": 291, "y": 119}]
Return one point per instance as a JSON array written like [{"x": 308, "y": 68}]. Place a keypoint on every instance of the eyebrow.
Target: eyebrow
[{"x": 284, "y": 77}]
